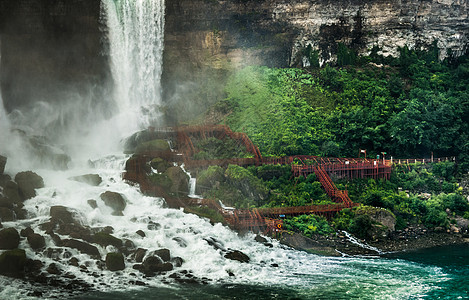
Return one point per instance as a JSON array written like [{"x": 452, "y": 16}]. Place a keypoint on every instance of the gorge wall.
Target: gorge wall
[{"x": 45, "y": 42}]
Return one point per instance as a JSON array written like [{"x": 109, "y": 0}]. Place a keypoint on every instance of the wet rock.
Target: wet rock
[
  {"x": 12, "y": 192},
  {"x": 215, "y": 243},
  {"x": 26, "y": 232},
  {"x": 159, "y": 164},
  {"x": 82, "y": 247},
  {"x": 129, "y": 245},
  {"x": 5, "y": 202},
  {"x": 3, "y": 162},
  {"x": 177, "y": 261},
  {"x": 36, "y": 241},
  {"x": 73, "y": 262},
  {"x": 164, "y": 254},
  {"x": 140, "y": 254},
  {"x": 33, "y": 266},
  {"x": 260, "y": 239},
  {"x": 141, "y": 233},
  {"x": 154, "y": 264},
  {"x": 91, "y": 179},
  {"x": 157, "y": 145},
  {"x": 54, "y": 253},
  {"x": 20, "y": 213},
  {"x": 56, "y": 239},
  {"x": 9, "y": 238},
  {"x": 28, "y": 182},
  {"x": 153, "y": 226},
  {"x": 12, "y": 263},
  {"x": 179, "y": 179},
  {"x": 4, "y": 178},
  {"x": 92, "y": 203},
  {"x": 237, "y": 255},
  {"x": 62, "y": 214},
  {"x": 52, "y": 269},
  {"x": 114, "y": 200},
  {"x": 181, "y": 242},
  {"x": 115, "y": 262},
  {"x": 63, "y": 219},
  {"x": 7, "y": 215},
  {"x": 105, "y": 239}
]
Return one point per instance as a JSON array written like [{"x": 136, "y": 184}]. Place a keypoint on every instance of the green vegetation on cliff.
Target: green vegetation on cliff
[{"x": 408, "y": 107}]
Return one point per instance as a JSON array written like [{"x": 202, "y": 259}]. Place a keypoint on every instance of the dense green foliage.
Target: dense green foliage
[
  {"x": 263, "y": 186},
  {"x": 214, "y": 148},
  {"x": 416, "y": 193},
  {"x": 411, "y": 106},
  {"x": 308, "y": 225}
]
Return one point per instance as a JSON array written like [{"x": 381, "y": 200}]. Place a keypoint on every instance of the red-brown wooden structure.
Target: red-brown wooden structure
[{"x": 261, "y": 219}]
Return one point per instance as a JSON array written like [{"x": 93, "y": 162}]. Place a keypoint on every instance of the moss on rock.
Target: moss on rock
[
  {"x": 152, "y": 146},
  {"x": 115, "y": 262},
  {"x": 12, "y": 263}
]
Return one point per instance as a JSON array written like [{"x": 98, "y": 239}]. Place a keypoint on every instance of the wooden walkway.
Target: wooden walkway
[{"x": 260, "y": 219}]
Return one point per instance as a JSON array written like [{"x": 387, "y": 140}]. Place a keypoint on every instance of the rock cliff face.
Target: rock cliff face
[
  {"x": 250, "y": 31},
  {"x": 50, "y": 45},
  {"x": 49, "y": 49},
  {"x": 205, "y": 39}
]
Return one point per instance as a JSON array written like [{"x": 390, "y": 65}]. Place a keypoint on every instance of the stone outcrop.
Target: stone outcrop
[
  {"x": 12, "y": 263},
  {"x": 9, "y": 238},
  {"x": 91, "y": 179},
  {"x": 3, "y": 162},
  {"x": 115, "y": 201},
  {"x": 115, "y": 262},
  {"x": 28, "y": 182}
]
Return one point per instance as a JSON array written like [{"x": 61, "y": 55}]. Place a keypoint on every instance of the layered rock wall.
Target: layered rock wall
[{"x": 52, "y": 46}]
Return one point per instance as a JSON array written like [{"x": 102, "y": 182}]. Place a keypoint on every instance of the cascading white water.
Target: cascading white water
[
  {"x": 135, "y": 33},
  {"x": 4, "y": 123},
  {"x": 136, "y": 36}
]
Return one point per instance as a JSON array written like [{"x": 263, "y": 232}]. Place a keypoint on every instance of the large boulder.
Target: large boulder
[
  {"x": 91, "y": 179},
  {"x": 379, "y": 215},
  {"x": 12, "y": 192},
  {"x": 115, "y": 201},
  {"x": 3, "y": 162},
  {"x": 7, "y": 215},
  {"x": 36, "y": 241},
  {"x": 9, "y": 238},
  {"x": 154, "y": 264},
  {"x": 65, "y": 221},
  {"x": 62, "y": 214},
  {"x": 12, "y": 263},
  {"x": 82, "y": 247},
  {"x": 179, "y": 179},
  {"x": 105, "y": 239},
  {"x": 28, "y": 182},
  {"x": 115, "y": 262},
  {"x": 164, "y": 254},
  {"x": 4, "y": 178},
  {"x": 159, "y": 164},
  {"x": 237, "y": 255},
  {"x": 153, "y": 146}
]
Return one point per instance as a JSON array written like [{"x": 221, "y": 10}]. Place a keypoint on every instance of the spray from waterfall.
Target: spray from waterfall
[{"x": 135, "y": 36}]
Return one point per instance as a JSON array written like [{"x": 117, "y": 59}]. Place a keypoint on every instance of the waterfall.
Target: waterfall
[
  {"x": 4, "y": 124},
  {"x": 135, "y": 36}
]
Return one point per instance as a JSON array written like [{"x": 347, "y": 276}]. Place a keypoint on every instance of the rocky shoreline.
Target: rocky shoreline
[{"x": 412, "y": 239}]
